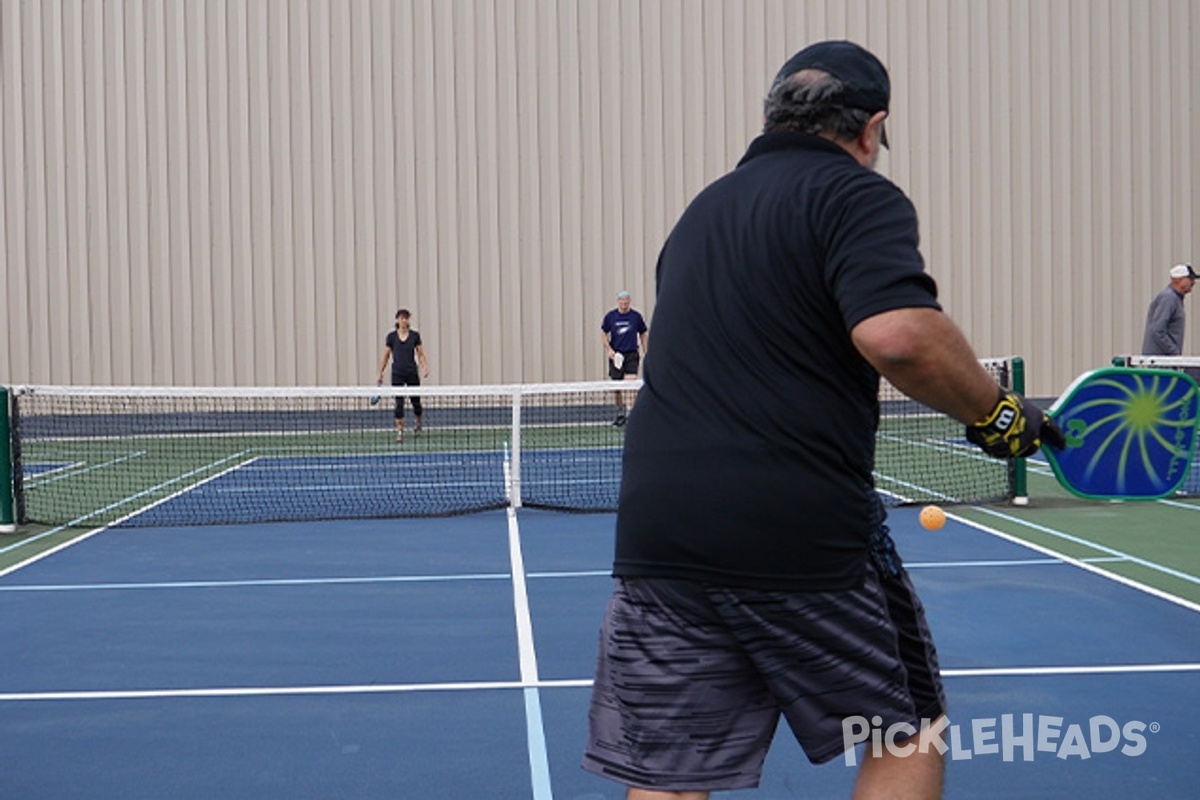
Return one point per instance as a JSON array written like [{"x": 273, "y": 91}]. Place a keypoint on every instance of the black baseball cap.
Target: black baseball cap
[{"x": 862, "y": 74}]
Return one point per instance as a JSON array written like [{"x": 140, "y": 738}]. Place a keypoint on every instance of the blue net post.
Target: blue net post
[{"x": 7, "y": 521}]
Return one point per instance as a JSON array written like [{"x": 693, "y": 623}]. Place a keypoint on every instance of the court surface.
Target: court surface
[{"x": 451, "y": 658}]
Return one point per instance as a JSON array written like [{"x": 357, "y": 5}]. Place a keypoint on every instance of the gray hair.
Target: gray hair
[{"x": 810, "y": 101}]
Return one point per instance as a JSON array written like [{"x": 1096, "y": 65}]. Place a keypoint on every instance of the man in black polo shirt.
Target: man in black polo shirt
[{"x": 754, "y": 574}]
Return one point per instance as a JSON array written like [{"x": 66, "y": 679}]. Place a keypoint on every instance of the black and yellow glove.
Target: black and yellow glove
[{"x": 1015, "y": 428}]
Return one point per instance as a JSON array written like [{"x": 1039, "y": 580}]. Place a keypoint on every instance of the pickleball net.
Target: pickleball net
[{"x": 145, "y": 456}]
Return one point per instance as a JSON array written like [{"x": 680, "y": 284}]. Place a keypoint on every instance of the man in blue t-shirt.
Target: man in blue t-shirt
[{"x": 624, "y": 329}]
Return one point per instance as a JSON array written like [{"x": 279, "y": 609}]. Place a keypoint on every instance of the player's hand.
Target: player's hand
[{"x": 1015, "y": 428}]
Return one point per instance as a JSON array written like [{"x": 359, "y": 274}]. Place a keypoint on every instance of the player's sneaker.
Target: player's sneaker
[
  {"x": 619, "y": 421},
  {"x": 417, "y": 429},
  {"x": 399, "y": 437}
]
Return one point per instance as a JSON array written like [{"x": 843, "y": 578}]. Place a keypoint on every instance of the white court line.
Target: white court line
[
  {"x": 539, "y": 760},
  {"x": 76, "y": 469},
  {"x": 1103, "y": 669},
  {"x": 1083, "y": 563},
  {"x": 80, "y": 520},
  {"x": 1166, "y": 501},
  {"x": 39, "y": 556},
  {"x": 33, "y": 480},
  {"x": 349, "y": 487},
  {"x": 1012, "y": 562},
  {"x": 1017, "y": 562},
  {"x": 475, "y": 686},
  {"x": 268, "y": 582},
  {"x": 262, "y": 691},
  {"x": 479, "y": 576}
]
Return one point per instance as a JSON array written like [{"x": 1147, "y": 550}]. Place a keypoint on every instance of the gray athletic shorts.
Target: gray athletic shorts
[{"x": 691, "y": 679}]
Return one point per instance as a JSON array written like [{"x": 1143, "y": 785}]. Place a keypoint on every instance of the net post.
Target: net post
[
  {"x": 7, "y": 522},
  {"x": 1020, "y": 468},
  {"x": 514, "y": 478}
]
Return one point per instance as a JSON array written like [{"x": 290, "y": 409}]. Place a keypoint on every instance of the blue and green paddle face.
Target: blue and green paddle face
[{"x": 1131, "y": 433}]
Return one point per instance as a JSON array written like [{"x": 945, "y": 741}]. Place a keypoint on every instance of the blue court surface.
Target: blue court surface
[{"x": 452, "y": 657}]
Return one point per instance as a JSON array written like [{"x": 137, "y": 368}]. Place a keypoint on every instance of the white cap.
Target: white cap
[{"x": 1183, "y": 271}]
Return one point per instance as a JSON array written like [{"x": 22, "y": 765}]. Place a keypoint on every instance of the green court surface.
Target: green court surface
[{"x": 1155, "y": 543}]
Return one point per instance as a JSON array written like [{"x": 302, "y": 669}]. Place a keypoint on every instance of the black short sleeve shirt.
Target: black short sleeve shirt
[
  {"x": 404, "y": 352},
  {"x": 748, "y": 459}
]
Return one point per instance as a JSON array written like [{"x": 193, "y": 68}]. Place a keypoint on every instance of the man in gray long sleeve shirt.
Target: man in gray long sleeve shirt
[{"x": 1164, "y": 320}]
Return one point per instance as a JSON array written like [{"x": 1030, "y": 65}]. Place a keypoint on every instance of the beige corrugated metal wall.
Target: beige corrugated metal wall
[{"x": 243, "y": 192}]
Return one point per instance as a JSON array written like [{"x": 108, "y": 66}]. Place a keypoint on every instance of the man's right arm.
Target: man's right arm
[
  {"x": 383, "y": 362},
  {"x": 925, "y": 355},
  {"x": 604, "y": 335}
]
